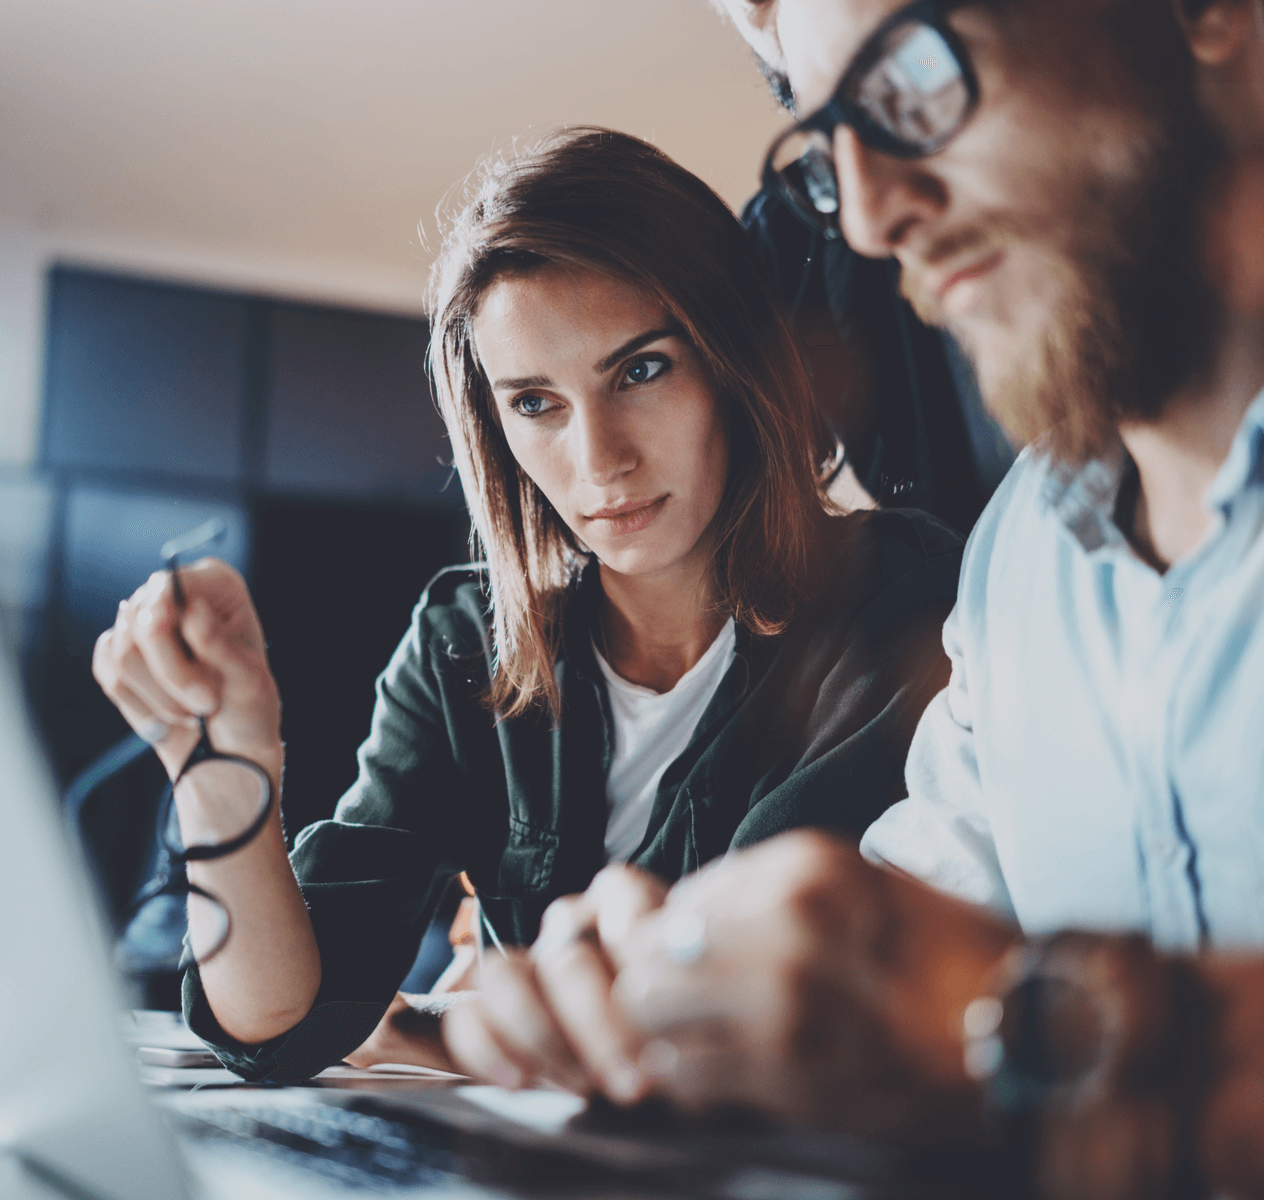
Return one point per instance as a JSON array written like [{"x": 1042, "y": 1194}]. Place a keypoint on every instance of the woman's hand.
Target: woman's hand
[
  {"x": 546, "y": 1016},
  {"x": 409, "y": 1032},
  {"x": 164, "y": 668}
]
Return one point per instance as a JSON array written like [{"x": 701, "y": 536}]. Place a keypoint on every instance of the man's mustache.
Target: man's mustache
[
  {"x": 953, "y": 244},
  {"x": 969, "y": 243}
]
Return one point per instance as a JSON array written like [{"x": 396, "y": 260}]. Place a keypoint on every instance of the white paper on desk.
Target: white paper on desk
[
  {"x": 165, "y": 1030},
  {"x": 546, "y": 1111}
]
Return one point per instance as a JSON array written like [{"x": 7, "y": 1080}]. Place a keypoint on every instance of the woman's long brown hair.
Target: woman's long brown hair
[{"x": 597, "y": 200}]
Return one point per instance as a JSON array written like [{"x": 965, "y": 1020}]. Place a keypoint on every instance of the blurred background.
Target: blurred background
[{"x": 216, "y": 218}]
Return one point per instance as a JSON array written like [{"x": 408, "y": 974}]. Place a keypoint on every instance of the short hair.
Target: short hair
[{"x": 592, "y": 199}]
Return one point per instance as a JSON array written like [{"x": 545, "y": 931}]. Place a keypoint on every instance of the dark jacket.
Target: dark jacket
[
  {"x": 808, "y": 728},
  {"x": 924, "y": 439}
]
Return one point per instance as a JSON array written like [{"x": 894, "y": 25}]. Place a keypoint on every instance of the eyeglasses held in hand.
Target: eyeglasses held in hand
[
  {"x": 225, "y": 801},
  {"x": 908, "y": 91}
]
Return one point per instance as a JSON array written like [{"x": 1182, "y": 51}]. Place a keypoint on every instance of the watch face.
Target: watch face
[{"x": 1052, "y": 1031}]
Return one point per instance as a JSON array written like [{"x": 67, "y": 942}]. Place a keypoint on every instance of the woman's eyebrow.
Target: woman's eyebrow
[
  {"x": 633, "y": 344},
  {"x": 521, "y": 381},
  {"x": 513, "y": 383}
]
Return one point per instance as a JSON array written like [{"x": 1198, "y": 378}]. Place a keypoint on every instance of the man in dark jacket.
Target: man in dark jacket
[{"x": 899, "y": 395}]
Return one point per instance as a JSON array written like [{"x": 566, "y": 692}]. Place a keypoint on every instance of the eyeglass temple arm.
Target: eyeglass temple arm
[{"x": 195, "y": 539}]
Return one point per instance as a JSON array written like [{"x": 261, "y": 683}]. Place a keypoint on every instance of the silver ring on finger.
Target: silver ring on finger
[
  {"x": 685, "y": 937},
  {"x": 153, "y": 731}
]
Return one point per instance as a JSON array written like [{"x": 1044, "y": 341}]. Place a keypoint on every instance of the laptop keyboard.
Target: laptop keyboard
[
  {"x": 360, "y": 1149},
  {"x": 351, "y": 1147}
]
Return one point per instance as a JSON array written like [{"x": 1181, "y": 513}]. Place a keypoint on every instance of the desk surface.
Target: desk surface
[
  {"x": 465, "y": 1140},
  {"x": 452, "y": 1138}
]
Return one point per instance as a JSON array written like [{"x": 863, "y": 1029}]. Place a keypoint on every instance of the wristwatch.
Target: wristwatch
[
  {"x": 1045, "y": 1031},
  {"x": 1073, "y": 1029}
]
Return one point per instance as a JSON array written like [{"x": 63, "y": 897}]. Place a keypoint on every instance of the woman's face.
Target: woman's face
[{"x": 608, "y": 410}]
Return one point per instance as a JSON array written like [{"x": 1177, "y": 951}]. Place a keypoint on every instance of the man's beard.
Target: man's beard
[{"x": 1136, "y": 320}]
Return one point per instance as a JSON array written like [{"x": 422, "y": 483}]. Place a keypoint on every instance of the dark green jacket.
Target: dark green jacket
[{"x": 808, "y": 728}]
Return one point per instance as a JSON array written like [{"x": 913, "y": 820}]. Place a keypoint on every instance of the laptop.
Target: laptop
[{"x": 73, "y": 1120}]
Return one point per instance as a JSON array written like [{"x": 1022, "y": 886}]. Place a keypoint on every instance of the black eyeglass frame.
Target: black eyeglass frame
[
  {"x": 838, "y": 110},
  {"x": 168, "y": 882}
]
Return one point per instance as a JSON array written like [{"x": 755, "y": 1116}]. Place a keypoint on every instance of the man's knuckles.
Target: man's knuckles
[{"x": 798, "y": 1015}]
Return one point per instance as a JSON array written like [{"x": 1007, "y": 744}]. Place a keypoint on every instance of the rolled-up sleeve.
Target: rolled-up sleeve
[{"x": 941, "y": 834}]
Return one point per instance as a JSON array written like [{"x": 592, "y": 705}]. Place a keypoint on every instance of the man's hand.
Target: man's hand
[
  {"x": 792, "y": 978},
  {"x": 798, "y": 979},
  {"x": 547, "y": 1015}
]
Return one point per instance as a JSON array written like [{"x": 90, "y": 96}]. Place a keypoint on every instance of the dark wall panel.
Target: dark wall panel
[
  {"x": 111, "y": 546},
  {"x": 336, "y": 584},
  {"x": 349, "y": 407},
  {"x": 143, "y": 376}
]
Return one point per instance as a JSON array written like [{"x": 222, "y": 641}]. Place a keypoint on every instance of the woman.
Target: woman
[{"x": 674, "y": 646}]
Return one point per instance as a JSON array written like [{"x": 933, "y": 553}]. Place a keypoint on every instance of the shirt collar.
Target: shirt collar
[
  {"x": 1242, "y": 464},
  {"x": 1085, "y": 499}
]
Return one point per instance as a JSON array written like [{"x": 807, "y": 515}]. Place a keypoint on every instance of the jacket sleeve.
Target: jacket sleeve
[
  {"x": 941, "y": 834},
  {"x": 371, "y": 877}
]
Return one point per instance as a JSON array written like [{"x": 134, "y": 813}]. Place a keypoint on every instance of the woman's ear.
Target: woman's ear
[{"x": 1217, "y": 31}]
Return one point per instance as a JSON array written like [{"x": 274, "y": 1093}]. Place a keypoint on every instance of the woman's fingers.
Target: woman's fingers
[
  {"x": 158, "y": 637},
  {"x": 133, "y": 673},
  {"x": 121, "y": 671},
  {"x": 163, "y": 664},
  {"x": 126, "y": 653},
  {"x": 151, "y": 727}
]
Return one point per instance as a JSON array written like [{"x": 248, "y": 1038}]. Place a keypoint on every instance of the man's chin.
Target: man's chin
[{"x": 1012, "y": 373}]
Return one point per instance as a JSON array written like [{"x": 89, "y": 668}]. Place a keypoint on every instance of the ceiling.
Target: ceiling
[{"x": 321, "y": 133}]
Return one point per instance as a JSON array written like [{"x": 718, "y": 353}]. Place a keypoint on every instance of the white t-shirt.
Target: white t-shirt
[{"x": 651, "y": 730}]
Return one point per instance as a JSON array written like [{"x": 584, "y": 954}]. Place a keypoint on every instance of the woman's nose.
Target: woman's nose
[{"x": 603, "y": 450}]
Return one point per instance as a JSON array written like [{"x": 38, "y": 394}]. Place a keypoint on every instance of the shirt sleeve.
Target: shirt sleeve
[
  {"x": 941, "y": 834},
  {"x": 370, "y": 878}
]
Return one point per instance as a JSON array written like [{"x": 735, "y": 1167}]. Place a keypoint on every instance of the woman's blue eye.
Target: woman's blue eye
[
  {"x": 644, "y": 370},
  {"x": 530, "y": 406}
]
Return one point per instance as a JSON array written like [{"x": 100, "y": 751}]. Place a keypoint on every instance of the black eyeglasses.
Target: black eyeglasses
[
  {"x": 908, "y": 91},
  {"x": 225, "y": 802}
]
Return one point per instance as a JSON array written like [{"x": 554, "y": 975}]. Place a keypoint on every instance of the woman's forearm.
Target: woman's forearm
[{"x": 265, "y": 978}]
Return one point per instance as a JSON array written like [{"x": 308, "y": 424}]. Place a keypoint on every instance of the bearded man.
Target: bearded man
[{"x": 1072, "y": 188}]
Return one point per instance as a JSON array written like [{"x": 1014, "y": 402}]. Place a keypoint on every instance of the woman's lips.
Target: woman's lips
[{"x": 623, "y": 519}]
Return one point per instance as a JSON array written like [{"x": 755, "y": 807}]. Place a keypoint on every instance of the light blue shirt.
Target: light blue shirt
[{"x": 1097, "y": 758}]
